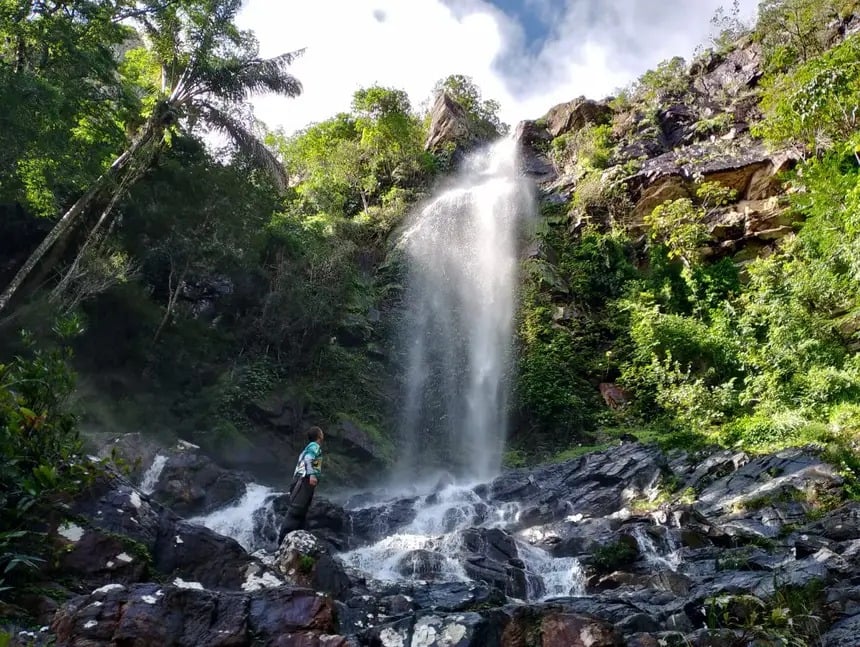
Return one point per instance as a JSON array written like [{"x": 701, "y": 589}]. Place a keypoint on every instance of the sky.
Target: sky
[{"x": 527, "y": 54}]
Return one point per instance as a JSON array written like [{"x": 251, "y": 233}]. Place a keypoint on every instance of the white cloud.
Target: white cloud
[{"x": 594, "y": 47}]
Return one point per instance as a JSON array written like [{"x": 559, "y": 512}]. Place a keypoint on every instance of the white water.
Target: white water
[
  {"x": 461, "y": 256},
  {"x": 237, "y": 520},
  {"x": 152, "y": 474},
  {"x": 437, "y": 527},
  {"x": 668, "y": 559}
]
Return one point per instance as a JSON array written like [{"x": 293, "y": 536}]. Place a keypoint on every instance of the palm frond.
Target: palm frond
[
  {"x": 237, "y": 80},
  {"x": 245, "y": 141}
]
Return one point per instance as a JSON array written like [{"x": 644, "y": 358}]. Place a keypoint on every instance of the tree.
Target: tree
[
  {"x": 208, "y": 69},
  {"x": 483, "y": 112}
]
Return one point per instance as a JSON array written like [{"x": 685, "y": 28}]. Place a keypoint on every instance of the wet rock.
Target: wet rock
[
  {"x": 98, "y": 558},
  {"x": 378, "y": 521},
  {"x": 461, "y": 630},
  {"x": 152, "y": 614},
  {"x": 843, "y": 633},
  {"x": 193, "y": 484},
  {"x": 305, "y": 561},
  {"x": 150, "y": 533},
  {"x": 421, "y": 565},
  {"x": 134, "y": 451},
  {"x": 560, "y": 629},
  {"x": 328, "y": 521},
  {"x": 534, "y": 141}
]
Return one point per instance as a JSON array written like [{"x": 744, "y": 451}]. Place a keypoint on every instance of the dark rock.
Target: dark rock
[
  {"x": 677, "y": 125},
  {"x": 305, "y": 561},
  {"x": 98, "y": 558},
  {"x": 421, "y": 565},
  {"x": 348, "y": 438},
  {"x": 176, "y": 548},
  {"x": 374, "y": 523},
  {"x": 838, "y": 525},
  {"x": 193, "y": 484},
  {"x": 151, "y": 614},
  {"x": 575, "y": 115},
  {"x": 133, "y": 451},
  {"x": 534, "y": 142},
  {"x": 843, "y": 633}
]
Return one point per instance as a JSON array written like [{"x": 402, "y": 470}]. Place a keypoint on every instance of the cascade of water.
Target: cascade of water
[
  {"x": 666, "y": 560},
  {"x": 561, "y": 576},
  {"x": 238, "y": 520},
  {"x": 152, "y": 474},
  {"x": 461, "y": 256}
]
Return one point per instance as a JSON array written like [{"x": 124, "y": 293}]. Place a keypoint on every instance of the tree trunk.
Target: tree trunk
[
  {"x": 71, "y": 216},
  {"x": 172, "y": 299},
  {"x": 133, "y": 175}
]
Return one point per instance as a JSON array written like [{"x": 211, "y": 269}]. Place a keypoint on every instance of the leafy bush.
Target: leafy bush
[
  {"x": 39, "y": 453},
  {"x": 815, "y": 104},
  {"x": 614, "y": 556}
]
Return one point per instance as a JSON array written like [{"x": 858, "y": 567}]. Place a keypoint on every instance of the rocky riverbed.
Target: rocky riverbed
[{"x": 629, "y": 546}]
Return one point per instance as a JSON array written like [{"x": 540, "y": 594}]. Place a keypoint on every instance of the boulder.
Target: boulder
[
  {"x": 305, "y": 561},
  {"x": 421, "y": 565},
  {"x": 728, "y": 76},
  {"x": 348, "y": 438},
  {"x": 155, "y": 614},
  {"x": 450, "y": 125},
  {"x": 120, "y": 522},
  {"x": 377, "y": 521},
  {"x": 574, "y": 115},
  {"x": 490, "y": 555},
  {"x": 192, "y": 484},
  {"x": 134, "y": 451}
]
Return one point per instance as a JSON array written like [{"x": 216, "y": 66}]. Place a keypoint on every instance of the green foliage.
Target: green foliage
[
  {"x": 39, "y": 453},
  {"x": 814, "y": 104},
  {"x": 794, "y": 31},
  {"x": 793, "y": 616},
  {"x": 588, "y": 149},
  {"x": 565, "y": 345},
  {"x": 667, "y": 82},
  {"x": 614, "y": 556},
  {"x": 484, "y": 113},
  {"x": 716, "y": 125}
]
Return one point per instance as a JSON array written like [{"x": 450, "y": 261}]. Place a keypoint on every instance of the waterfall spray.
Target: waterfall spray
[{"x": 461, "y": 251}]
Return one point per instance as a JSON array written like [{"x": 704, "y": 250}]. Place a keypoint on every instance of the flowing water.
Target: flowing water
[
  {"x": 461, "y": 255},
  {"x": 152, "y": 474},
  {"x": 238, "y": 520}
]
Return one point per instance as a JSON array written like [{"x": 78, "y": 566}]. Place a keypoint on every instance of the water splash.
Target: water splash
[
  {"x": 152, "y": 474},
  {"x": 461, "y": 255},
  {"x": 238, "y": 520},
  {"x": 659, "y": 560},
  {"x": 561, "y": 576}
]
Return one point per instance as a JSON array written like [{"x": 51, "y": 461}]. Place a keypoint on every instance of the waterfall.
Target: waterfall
[
  {"x": 461, "y": 254},
  {"x": 152, "y": 474},
  {"x": 239, "y": 520}
]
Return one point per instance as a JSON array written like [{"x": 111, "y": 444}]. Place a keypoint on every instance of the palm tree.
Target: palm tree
[{"x": 208, "y": 71}]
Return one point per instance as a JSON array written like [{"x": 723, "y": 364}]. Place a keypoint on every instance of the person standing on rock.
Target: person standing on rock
[{"x": 305, "y": 479}]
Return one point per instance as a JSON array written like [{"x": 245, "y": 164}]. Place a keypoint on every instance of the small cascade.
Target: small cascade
[
  {"x": 669, "y": 558},
  {"x": 438, "y": 519},
  {"x": 561, "y": 576},
  {"x": 239, "y": 520},
  {"x": 152, "y": 474}
]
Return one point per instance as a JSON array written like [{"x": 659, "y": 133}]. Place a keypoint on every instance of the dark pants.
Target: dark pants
[{"x": 301, "y": 494}]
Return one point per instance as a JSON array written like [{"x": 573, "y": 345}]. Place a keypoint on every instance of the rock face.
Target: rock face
[
  {"x": 122, "y": 536},
  {"x": 575, "y": 115},
  {"x": 151, "y": 614},
  {"x": 452, "y": 128},
  {"x": 649, "y": 569}
]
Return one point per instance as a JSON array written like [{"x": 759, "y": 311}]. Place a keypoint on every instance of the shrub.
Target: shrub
[{"x": 40, "y": 452}]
